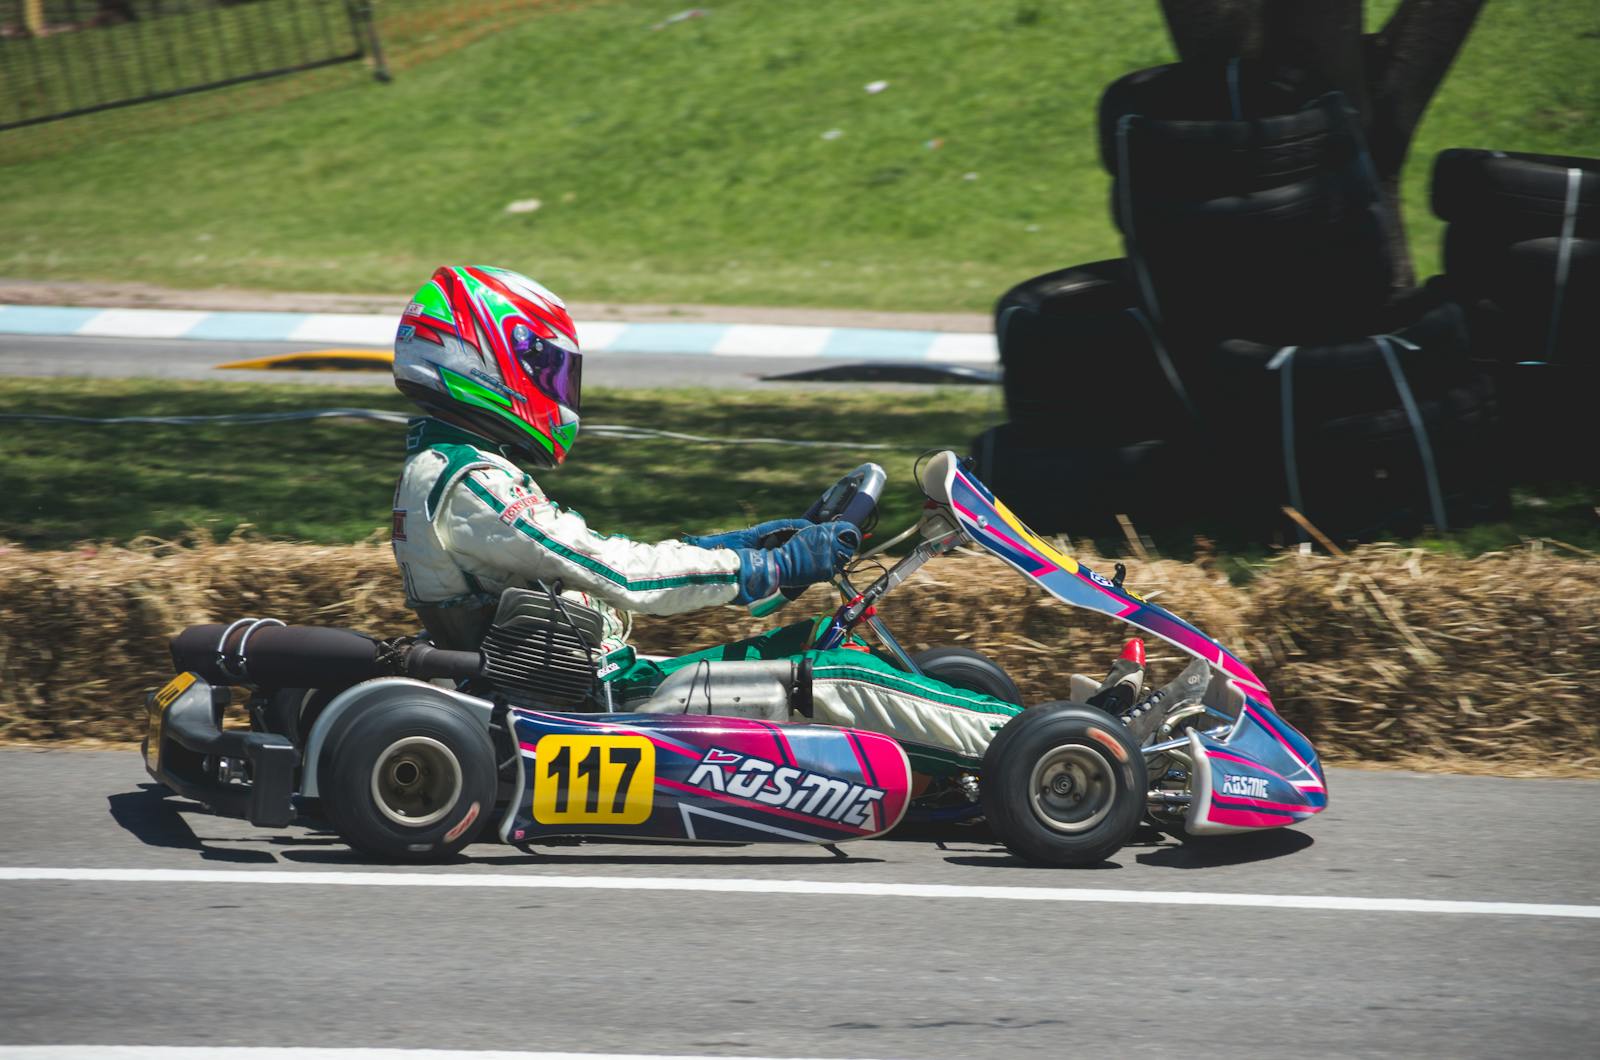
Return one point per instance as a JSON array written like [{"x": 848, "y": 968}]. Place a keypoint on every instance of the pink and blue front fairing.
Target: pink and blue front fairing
[
  {"x": 1262, "y": 773},
  {"x": 712, "y": 779}
]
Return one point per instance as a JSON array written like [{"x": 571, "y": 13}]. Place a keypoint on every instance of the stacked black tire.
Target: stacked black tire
[
  {"x": 1246, "y": 204},
  {"x": 1096, "y": 404},
  {"x": 1522, "y": 253},
  {"x": 1248, "y": 353}
]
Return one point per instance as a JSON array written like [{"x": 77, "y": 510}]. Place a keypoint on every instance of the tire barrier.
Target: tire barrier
[
  {"x": 1252, "y": 327},
  {"x": 1389, "y": 433},
  {"x": 1434, "y": 352},
  {"x": 1079, "y": 488},
  {"x": 1099, "y": 286},
  {"x": 1530, "y": 195},
  {"x": 1524, "y": 236},
  {"x": 1237, "y": 124},
  {"x": 1247, "y": 203},
  {"x": 1303, "y": 262},
  {"x": 1547, "y": 286},
  {"x": 1079, "y": 331},
  {"x": 1522, "y": 251}
]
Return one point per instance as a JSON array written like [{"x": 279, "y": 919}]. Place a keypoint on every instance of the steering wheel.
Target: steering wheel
[{"x": 853, "y": 498}]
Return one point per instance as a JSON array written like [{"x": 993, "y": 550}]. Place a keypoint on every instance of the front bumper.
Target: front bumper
[{"x": 235, "y": 773}]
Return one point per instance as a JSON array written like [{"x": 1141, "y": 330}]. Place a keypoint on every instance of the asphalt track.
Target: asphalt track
[
  {"x": 192, "y": 359},
  {"x": 906, "y": 949}
]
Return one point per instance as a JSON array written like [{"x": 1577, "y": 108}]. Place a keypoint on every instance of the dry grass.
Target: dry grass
[{"x": 1389, "y": 656}]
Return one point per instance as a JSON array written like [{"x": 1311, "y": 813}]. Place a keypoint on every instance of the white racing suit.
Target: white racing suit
[{"x": 468, "y": 523}]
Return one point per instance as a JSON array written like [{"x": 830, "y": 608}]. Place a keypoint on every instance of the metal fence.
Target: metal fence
[{"x": 60, "y": 58}]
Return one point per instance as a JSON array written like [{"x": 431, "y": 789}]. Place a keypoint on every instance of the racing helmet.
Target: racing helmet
[{"x": 493, "y": 352}]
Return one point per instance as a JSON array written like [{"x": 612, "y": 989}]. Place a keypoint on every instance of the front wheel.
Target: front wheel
[
  {"x": 1063, "y": 784},
  {"x": 411, "y": 780}
]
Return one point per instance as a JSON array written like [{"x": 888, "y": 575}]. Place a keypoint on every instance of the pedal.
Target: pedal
[
  {"x": 1188, "y": 687},
  {"x": 1123, "y": 682}
]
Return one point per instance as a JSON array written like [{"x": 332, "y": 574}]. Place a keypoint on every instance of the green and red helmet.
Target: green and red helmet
[{"x": 493, "y": 352}]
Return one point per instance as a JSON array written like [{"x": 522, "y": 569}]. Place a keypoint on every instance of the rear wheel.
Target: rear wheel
[
  {"x": 1063, "y": 784},
  {"x": 410, "y": 781}
]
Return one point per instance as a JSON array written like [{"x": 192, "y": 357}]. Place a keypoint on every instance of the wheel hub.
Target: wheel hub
[
  {"x": 416, "y": 781},
  {"x": 1072, "y": 788}
]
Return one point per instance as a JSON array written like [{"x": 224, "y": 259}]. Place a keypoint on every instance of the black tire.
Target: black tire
[
  {"x": 1302, "y": 206},
  {"x": 1344, "y": 378},
  {"x": 1356, "y": 460},
  {"x": 1098, "y": 287},
  {"x": 1519, "y": 278},
  {"x": 1516, "y": 193},
  {"x": 410, "y": 759},
  {"x": 1368, "y": 478},
  {"x": 1110, "y": 358},
  {"x": 1362, "y": 475},
  {"x": 1304, "y": 262},
  {"x": 1241, "y": 121},
  {"x": 970, "y": 670},
  {"x": 1063, "y": 784}
]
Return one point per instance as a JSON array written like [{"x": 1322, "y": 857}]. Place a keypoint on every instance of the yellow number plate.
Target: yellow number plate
[
  {"x": 158, "y": 709},
  {"x": 593, "y": 779},
  {"x": 172, "y": 690}
]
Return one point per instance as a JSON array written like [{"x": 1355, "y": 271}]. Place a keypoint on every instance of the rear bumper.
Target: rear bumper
[{"x": 186, "y": 748}]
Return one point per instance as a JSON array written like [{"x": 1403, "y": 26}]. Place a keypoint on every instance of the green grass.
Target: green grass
[
  {"x": 688, "y": 164},
  {"x": 333, "y": 481}
]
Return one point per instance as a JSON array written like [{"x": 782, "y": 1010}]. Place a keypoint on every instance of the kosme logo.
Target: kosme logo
[
  {"x": 1248, "y": 787},
  {"x": 801, "y": 790}
]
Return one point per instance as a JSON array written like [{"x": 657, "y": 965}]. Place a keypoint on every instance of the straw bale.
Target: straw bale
[{"x": 1389, "y": 655}]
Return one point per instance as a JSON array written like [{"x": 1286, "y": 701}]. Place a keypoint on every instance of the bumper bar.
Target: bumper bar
[{"x": 187, "y": 749}]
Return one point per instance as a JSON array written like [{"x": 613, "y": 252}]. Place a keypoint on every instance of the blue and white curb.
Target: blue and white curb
[{"x": 600, "y": 336}]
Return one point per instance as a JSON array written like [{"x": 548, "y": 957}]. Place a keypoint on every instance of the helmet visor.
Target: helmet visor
[{"x": 555, "y": 371}]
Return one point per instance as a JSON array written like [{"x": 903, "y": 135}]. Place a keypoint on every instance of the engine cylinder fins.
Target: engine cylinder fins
[{"x": 540, "y": 653}]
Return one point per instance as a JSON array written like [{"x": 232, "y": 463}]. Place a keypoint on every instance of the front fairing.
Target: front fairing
[{"x": 1262, "y": 772}]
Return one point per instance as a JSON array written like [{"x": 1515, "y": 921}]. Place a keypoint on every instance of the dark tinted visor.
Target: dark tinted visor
[{"x": 557, "y": 372}]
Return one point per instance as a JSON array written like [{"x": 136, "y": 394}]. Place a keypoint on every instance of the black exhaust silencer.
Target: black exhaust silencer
[{"x": 278, "y": 656}]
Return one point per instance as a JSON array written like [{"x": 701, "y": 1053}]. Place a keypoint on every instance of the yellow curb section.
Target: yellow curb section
[{"x": 321, "y": 360}]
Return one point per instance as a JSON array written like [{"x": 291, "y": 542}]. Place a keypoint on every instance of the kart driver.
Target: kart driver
[{"x": 492, "y": 357}]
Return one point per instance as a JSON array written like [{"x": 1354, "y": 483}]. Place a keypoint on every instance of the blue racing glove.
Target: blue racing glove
[
  {"x": 749, "y": 538},
  {"x": 814, "y": 554}
]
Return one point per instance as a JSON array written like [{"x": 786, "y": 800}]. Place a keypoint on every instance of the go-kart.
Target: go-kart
[{"x": 413, "y": 751}]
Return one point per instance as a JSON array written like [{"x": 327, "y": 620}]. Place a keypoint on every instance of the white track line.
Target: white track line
[
  {"x": 249, "y": 1052},
  {"x": 1337, "y": 903}
]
